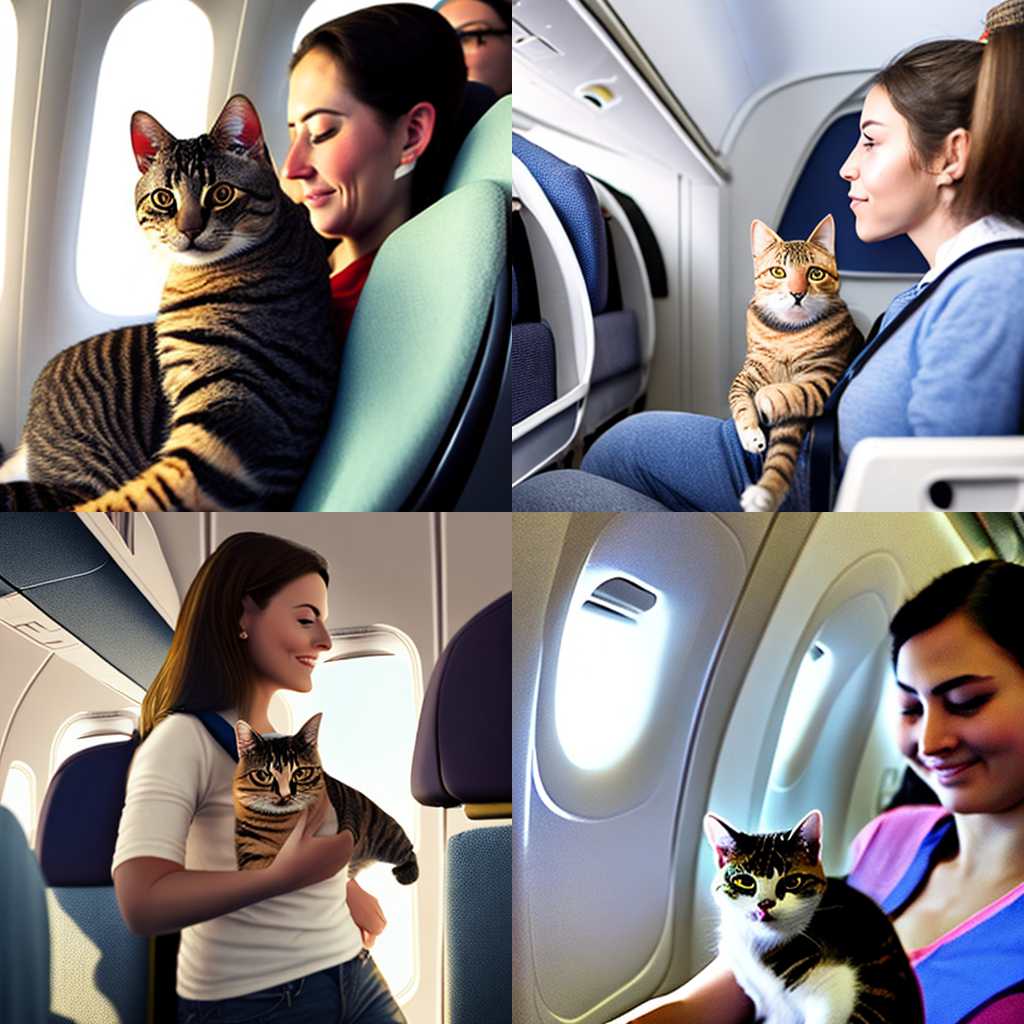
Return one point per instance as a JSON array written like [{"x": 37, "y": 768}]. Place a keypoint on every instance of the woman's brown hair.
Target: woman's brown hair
[
  {"x": 994, "y": 183},
  {"x": 394, "y": 56},
  {"x": 207, "y": 667}
]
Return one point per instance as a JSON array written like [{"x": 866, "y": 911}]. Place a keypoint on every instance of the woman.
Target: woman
[
  {"x": 938, "y": 159},
  {"x": 485, "y": 29},
  {"x": 288, "y": 942},
  {"x": 950, "y": 877},
  {"x": 372, "y": 103}
]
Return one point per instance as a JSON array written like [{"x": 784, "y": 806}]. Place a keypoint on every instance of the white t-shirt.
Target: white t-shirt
[{"x": 178, "y": 806}]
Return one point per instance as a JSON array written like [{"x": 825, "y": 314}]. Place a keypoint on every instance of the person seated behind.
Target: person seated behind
[
  {"x": 485, "y": 28},
  {"x": 372, "y": 104}
]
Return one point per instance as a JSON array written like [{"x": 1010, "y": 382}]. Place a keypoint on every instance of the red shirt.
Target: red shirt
[{"x": 346, "y": 287}]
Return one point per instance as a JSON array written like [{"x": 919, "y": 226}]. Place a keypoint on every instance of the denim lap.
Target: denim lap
[{"x": 352, "y": 993}]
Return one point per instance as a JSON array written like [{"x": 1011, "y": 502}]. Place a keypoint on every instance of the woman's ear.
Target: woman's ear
[
  {"x": 955, "y": 153},
  {"x": 419, "y": 129},
  {"x": 249, "y": 609}
]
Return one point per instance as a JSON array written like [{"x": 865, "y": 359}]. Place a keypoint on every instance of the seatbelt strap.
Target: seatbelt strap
[
  {"x": 220, "y": 731},
  {"x": 824, "y": 442}
]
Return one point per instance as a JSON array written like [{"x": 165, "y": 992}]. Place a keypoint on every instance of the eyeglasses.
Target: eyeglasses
[{"x": 471, "y": 38}]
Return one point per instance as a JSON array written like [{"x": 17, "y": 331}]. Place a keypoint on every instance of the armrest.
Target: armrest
[{"x": 913, "y": 474}]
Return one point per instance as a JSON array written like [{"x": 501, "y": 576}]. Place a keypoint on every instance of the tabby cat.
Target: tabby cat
[
  {"x": 222, "y": 402},
  {"x": 800, "y": 338},
  {"x": 805, "y": 948},
  {"x": 278, "y": 777}
]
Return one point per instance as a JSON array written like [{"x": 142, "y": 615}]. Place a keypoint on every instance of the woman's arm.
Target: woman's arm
[
  {"x": 711, "y": 997},
  {"x": 158, "y": 896}
]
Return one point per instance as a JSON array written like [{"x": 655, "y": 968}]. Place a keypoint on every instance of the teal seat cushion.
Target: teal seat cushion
[
  {"x": 486, "y": 152},
  {"x": 410, "y": 353}
]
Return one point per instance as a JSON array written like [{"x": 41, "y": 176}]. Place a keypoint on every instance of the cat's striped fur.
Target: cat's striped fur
[
  {"x": 280, "y": 776},
  {"x": 805, "y": 948},
  {"x": 222, "y": 402},
  {"x": 800, "y": 338}
]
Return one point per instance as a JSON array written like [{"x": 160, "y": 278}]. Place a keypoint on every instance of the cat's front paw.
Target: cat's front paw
[
  {"x": 757, "y": 499},
  {"x": 751, "y": 439}
]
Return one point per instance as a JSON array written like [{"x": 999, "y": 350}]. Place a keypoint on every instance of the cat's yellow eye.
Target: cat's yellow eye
[
  {"x": 744, "y": 883},
  {"x": 789, "y": 884},
  {"x": 303, "y": 774},
  {"x": 221, "y": 195},
  {"x": 778, "y": 272},
  {"x": 261, "y": 777},
  {"x": 162, "y": 199},
  {"x": 816, "y": 274}
]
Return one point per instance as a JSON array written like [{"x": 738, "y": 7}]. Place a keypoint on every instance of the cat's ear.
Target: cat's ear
[
  {"x": 246, "y": 737},
  {"x": 761, "y": 237},
  {"x": 311, "y": 730},
  {"x": 148, "y": 135},
  {"x": 722, "y": 837},
  {"x": 238, "y": 127},
  {"x": 808, "y": 832},
  {"x": 825, "y": 234}
]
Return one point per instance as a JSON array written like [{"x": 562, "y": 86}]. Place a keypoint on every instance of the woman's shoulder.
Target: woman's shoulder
[{"x": 176, "y": 736}]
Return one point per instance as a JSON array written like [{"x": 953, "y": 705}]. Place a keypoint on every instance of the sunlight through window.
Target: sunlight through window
[
  {"x": 608, "y": 666},
  {"x": 8, "y": 62},
  {"x": 19, "y": 797},
  {"x": 117, "y": 270}
]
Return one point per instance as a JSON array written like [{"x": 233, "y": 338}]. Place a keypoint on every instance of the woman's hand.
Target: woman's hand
[
  {"x": 366, "y": 913},
  {"x": 306, "y": 858}
]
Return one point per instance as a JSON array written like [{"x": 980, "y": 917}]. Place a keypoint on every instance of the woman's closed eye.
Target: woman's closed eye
[
  {"x": 963, "y": 707},
  {"x": 867, "y": 142}
]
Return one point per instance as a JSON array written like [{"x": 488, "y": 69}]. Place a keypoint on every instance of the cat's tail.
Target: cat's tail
[{"x": 408, "y": 871}]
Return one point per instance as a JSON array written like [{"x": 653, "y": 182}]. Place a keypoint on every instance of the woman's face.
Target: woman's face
[
  {"x": 889, "y": 195},
  {"x": 488, "y": 58},
  {"x": 341, "y": 154},
  {"x": 962, "y": 716},
  {"x": 287, "y": 636}
]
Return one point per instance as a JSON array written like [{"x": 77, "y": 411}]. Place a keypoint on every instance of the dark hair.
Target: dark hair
[
  {"x": 988, "y": 593},
  {"x": 394, "y": 56},
  {"x": 932, "y": 88},
  {"x": 207, "y": 667},
  {"x": 995, "y": 183}
]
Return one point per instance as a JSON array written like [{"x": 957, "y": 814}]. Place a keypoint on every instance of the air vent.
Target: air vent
[
  {"x": 598, "y": 94},
  {"x": 622, "y": 597}
]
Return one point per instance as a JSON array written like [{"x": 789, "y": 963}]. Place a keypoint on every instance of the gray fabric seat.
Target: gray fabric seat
[{"x": 569, "y": 490}]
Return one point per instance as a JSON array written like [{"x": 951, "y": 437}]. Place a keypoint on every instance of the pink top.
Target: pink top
[{"x": 884, "y": 851}]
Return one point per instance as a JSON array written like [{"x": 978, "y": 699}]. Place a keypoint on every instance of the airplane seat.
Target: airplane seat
[
  {"x": 101, "y": 968},
  {"x": 477, "y": 99},
  {"x": 624, "y": 346},
  {"x": 909, "y": 474},
  {"x": 463, "y": 755},
  {"x": 422, "y": 364},
  {"x": 24, "y": 930},
  {"x": 617, "y": 350},
  {"x": 552, "y": 350},
  {"x": 484, "y": 153}
]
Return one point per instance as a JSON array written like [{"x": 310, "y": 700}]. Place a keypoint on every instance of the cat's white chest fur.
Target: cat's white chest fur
[{"x": 825, "y": 996}]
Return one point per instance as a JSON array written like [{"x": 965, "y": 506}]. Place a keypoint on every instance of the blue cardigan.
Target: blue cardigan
[{"x": 954, "y": 369}]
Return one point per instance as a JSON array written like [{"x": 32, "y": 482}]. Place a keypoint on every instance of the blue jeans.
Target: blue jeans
[
  {"x": 687, "y": 462},
  {"x": 350, "y": 993}
]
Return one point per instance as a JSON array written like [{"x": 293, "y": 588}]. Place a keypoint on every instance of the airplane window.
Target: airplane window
[
  {"x": 8, "y": 60},
  {"x": 607, "y": 669},
  {"x": 117, "y": 271},
  {"x": 372, "y": 751},
  {"x": 325, "y": 10},
  {"x": 19, "y": 797},
  {"x": 90, "y": 729},
  {"x": 811, "y": 679}
]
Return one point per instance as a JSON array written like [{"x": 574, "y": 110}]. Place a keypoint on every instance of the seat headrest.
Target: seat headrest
[
  {"x": 573, "y": 200},
  {"x": 78, "y": 823},
  {"x": 476, "y": 101},
  {"x": 463, "y": 752}
]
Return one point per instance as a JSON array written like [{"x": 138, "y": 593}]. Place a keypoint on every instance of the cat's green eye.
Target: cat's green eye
[
  {"x": 303, "y": 774},
  {"x": 778, "y": 272},
  {"x": 816, "y": 274},
  {"x": 261, "y": 777},
  {"x": 744, "y": 883},
  {"x": 162, "y": 199},
  {"x": 221, "y": 195},
  {"x": 790, "y": 884}
]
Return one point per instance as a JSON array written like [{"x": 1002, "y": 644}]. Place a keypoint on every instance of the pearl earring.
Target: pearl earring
[
  {"x": 403, "y": 169},
  {"x": 244, "y": 635}
]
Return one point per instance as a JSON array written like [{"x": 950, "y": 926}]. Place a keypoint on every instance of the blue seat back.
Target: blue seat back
[
  {"x": 463, "y": 755},
  {"x": 24, "y": 929},
  {"x": 102, "y": 969}
]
